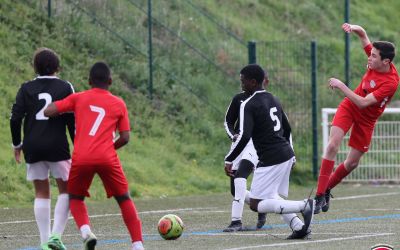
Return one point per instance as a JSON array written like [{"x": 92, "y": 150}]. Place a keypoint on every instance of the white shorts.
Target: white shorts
[
  {"x": 249, "y": 153},
  {"x": 272, "y": 181},
  {"x": 40, "y": 170}
]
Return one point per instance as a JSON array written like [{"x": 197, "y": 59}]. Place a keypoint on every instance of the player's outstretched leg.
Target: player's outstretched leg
[{"x": 305, "y": 231}]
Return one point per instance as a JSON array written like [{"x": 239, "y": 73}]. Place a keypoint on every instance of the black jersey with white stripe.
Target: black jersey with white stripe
[
  {"x": 44, "y": 139},
  {"x": 261, "y": 118},
  {"x": 231, "y": 122}
]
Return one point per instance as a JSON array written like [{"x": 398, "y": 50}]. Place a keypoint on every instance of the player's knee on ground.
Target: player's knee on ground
[
  {"x": 123, "y": 197},
  {"x": 254, "y": 204}
]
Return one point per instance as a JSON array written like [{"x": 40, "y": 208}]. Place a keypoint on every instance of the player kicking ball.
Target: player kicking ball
[{"x": 359, "y": 110}]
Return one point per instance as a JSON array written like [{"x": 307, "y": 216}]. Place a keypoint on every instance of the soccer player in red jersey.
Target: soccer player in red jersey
[
  {"x": 98, "y": 114},
  {"x": 359, "y": 110}
]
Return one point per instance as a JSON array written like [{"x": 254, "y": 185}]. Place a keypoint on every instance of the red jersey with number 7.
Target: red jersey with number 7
[{"x": 98, "y": 114}]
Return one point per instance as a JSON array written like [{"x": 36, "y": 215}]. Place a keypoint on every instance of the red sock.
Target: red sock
[
  {"x": 131, "y": 219},
  {"x": 339, "y": 174},
  {"x": 324, "y": 174},
  {"x": 79, "y": 212}
]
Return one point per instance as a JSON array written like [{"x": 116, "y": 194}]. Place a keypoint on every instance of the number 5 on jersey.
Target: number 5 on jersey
[
  {"x": 275, "y": 118},
  {"x": 101, "y": 113}
]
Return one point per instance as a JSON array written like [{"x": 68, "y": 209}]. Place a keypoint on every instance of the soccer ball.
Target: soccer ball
[{"x": 170, "y": 227}]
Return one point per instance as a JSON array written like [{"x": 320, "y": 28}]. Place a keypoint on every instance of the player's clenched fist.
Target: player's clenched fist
[{"x": 347, "y": 27}]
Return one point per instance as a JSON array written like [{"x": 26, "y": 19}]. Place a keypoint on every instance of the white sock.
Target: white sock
[
  {"x": 293, "y": 221},
  {"x": 137, "y": 245},
  {"x": 238, "y": 202},
  {"x": 85, "y": 230},
  {"x": 280, "y": 206},
  {"x": 247, "y": 198},
  {"x": 41, "y": 209},
  {"x": 61, "y": 212}
]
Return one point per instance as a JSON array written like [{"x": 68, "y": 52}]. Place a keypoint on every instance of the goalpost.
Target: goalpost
[{"x": 382, "y": 162}]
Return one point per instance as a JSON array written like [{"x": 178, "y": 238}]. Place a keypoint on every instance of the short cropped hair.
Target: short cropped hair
[
  {"x": 387, "y": 50},
  {"x": 100, "y": 74},
  {"x": 253, "y": 71},
  {"x": 45, "y": 62}
]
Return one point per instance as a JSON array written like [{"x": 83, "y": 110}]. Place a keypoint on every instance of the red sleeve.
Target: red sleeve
[
  {"x": 386, "y": 90},
  {"x": 66, "y": 104},
  {"x": 368, "y": 49},
  {"x": 123, "y": 123}
]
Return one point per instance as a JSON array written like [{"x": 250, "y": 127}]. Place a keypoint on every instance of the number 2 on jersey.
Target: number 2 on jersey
[
  {"x": 275, "y": 118},
  {"x": 99, "y": 118},
  {"x": 47, "y": 98}
]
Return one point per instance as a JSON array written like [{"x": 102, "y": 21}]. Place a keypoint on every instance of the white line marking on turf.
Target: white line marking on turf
[
  {"x": 311, "y": 242},
  {"x": 198, "y": 209},
  {"x": 364, "y": 196},
  {"x": 119, "y": 214}
]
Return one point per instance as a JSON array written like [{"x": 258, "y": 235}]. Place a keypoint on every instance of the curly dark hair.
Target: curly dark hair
[
  {"x": 46, "y": 62},
  {"x": 253, "y": 71}
]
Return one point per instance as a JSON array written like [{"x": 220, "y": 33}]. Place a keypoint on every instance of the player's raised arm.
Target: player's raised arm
[{"x": 360, "y": 31}]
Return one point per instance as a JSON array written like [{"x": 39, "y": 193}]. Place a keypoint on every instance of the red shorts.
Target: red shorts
[
  {"x": 347, "y": 117},
  {"x": 112, "y": 176}
]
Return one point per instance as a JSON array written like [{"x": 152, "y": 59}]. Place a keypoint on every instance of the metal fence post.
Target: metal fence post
[
  {"x": 347, "y": 43},
  {"x": 150, "y": 52},
  {"x": 251, "y": 48},
  {"x": 314, "y": 106},
  {"x": 49, "y": 8}
]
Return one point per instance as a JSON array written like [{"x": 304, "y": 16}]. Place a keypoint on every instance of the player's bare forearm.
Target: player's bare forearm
[
  {"x": 359, "y": 101},
  {"x": 51, "y": 110},
  {"x": 360, "y": 31},
  {"x": 122, "y": 140}
]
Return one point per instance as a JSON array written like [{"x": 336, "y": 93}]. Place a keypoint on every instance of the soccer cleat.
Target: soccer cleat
[
  {"x": 44, "y": 246},
  {"x": 90, "y": 242},
  {"x": 328, "y": 196},
  {"x": 308, "y": 213},
  {"x": 319, "y": 203},
  {"x": 262, "y": 218},
  {"x": 233, "y": 227},
  {"x": 55, "y": 243},
  {"x": 303, "y": 233}
]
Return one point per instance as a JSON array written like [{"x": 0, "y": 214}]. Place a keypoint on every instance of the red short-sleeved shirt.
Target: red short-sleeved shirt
[
  {"x": 98, "y": 114},
  {"x": 382, "y": 85}
]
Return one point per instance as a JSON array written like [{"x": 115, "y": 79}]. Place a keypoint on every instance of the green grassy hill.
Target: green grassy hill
[{"x": 178, "y": 142}]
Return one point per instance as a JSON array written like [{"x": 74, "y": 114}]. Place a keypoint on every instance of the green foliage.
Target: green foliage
[{"x": 178, "y": 140}]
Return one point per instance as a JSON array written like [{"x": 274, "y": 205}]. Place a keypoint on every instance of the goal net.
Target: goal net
[{"x": 382, "y": 161}]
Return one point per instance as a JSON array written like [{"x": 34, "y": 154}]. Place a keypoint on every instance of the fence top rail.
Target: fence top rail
[{"x": 387, "y": 110}]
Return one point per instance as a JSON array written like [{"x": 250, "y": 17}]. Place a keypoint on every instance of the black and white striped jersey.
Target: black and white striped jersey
[
  {"x": 44, "y": 139},
  {"x": 261, "y": 118},
  {"x": 231, "y": 122}
]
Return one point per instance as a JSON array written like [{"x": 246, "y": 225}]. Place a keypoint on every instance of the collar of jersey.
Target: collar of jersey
[{"x": 46, "y": 77}]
